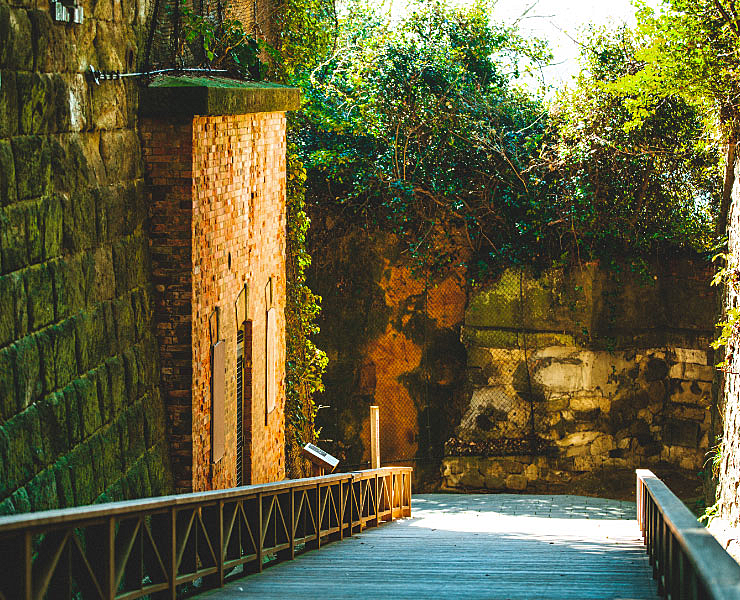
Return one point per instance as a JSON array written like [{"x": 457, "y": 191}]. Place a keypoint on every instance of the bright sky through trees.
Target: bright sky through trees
[{"x": 562, "y": 22}]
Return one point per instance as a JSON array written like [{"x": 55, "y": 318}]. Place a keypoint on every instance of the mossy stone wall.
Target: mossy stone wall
[{"x": 81, "y": 418}]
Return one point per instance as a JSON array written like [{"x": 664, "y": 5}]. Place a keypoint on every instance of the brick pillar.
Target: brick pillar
[{"x": 215, "y": 161}]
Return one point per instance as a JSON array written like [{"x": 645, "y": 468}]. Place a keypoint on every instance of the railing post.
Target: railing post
[
  {"x": 221, "y": 545},
  {"x": 173, "y": 554},
  {"x": 318, "y": 515},
  {"x": 292, "y": 523},
  {"x": 261, "y": 533},
  {"x": 341, "y": 509},
  {"x": 374, "y": 437},
  {"x": 27, "y": 566}
]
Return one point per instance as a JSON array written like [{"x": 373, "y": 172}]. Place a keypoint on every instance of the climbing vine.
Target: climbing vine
[
  {"x": 306, "y": 33},
  {"x": 305, "y": 363}
]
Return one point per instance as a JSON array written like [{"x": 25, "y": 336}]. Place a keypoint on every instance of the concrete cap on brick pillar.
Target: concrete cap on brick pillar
[{"x": 186, "y": 96}]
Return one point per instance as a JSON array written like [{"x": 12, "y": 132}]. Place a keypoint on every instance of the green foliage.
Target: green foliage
[
  {"x": 419, "y": 128},
  {"x": 223, "y": 43},
  {"x": 690, "y": 49},
  {"x": 415, "y": 128},
  {"x": 728, "y": 277},
  {"x": 306, "y": 30},
  {"x": 305, "y": 364},
  {"x": 630, "y": 186}
]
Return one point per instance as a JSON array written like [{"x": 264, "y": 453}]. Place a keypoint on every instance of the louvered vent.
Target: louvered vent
[{"x": 239, "y": 402}]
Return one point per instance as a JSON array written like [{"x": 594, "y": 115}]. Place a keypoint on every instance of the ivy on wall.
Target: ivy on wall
[{"x": 306, "y": 32}]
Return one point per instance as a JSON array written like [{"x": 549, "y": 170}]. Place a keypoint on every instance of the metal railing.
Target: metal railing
[
  {"x": 687, "y": 561},
  {"x": 159, "y": 546}
]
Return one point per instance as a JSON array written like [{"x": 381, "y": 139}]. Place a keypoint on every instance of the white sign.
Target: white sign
[{"x": 270, "y": 355}]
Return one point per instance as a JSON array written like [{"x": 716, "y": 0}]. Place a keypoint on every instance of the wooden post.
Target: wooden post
[{"x": 374, "y": 437}]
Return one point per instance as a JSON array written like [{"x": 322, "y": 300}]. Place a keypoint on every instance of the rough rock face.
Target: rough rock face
[
  {"x": 540, "y": 373},
  {"x": 729, "y": 470},
  {"x": 81, "y": 419}
]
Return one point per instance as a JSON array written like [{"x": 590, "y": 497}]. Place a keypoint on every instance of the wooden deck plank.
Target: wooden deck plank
[{"x": 477, "y": 547}]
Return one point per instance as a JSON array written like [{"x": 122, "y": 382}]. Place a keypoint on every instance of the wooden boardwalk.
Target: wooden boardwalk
[{"x": 500, "y": 546}]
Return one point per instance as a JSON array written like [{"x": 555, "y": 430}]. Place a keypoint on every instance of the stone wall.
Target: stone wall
[
  {"x": 81, "y": 418},
  {"x": 585, "y": 370}
]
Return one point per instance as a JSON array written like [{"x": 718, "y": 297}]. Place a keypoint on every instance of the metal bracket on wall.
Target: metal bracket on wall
[{"x": 67, "y": 13}]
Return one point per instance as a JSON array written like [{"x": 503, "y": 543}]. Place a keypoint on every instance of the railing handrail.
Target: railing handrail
[
  {"x": 715, "y": 569},
  {"x": 92, "y": 512},
  {"x": 160, "y": 546}
]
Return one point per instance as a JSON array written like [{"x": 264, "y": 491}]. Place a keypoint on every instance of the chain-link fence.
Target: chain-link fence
[{"x": 195, "y": 34}]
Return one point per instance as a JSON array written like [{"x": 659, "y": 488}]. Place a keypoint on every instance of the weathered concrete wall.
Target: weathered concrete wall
[
  {"x": 584, "y": 370},
  {"x": 393, "y": 340},
  {"x": 81, "y": 418}
]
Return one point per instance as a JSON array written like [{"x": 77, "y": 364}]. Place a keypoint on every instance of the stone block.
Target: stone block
[
  {"x": 532, "y": 472},
  {"x": 678, "y": 432},
  {"x": 70, "y": 170},
  {"x": 89, "y": 407},
  {"x": 32, "y": 156},
  {"x": 585, "y": 403},
  {"x": 46, "y": 342},
  {"x": 8, "y": 193},
  {"x": 83, "y": 475},
  {"x": 27, "y": 372},
  {"x": 42, "y": 491},
  {"x": 488, "y": 338},
  {"x": 601, "y": 445},
  {"x": 65, "y": 353},
  {"x": 110, "y": 459},
  {"x": 25, "y": 449},
  {"x": 13, "y": 245},
  {"x": 80, "y": 229},
  {"x": 65, "y": 489},
  {"x": 557, "y": 403},
  {"x": 102, "y": 381},
  {"x": 108, "y": 105},
  {"x": 129, "y": 262},
  {"x": 37, "y": 102},
  {"x": 117, "y": 377},
  {"x": 676, "y": 371},
  {"x": 8, "y": 122},
  {"x": 124, "y": 319},
  {"x": 472, "y": 478},
  {"x": 121, "y": 148},
  {"x": 141, "y": 313},
  {"x": 580, "y": 438},
  {"x": 53, "y": 419},
  {"x": 69, "y": 284},
  {"x": 97, "y": 267},
  {"x": 51, "y": 221},
  {"x": 516, "y": 482},
  {"x": 72, "y": 409},
  {"x": 137, "y": 437},
  {"x": 694, "y": 372},
  {"x": 8, "y": 406},
  {"x": 9, "y": 293},
  {"x": 157, "y": 468},
  {"x": 691, "y": 355},
  {"x": 16, "y": 52},
  {"x": 39, "y": 283},
  {"x": 20, "y": 500},
  {"x": 6, "y": 507}
]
